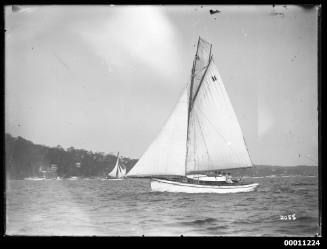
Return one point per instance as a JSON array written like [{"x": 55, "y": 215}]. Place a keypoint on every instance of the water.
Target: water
[{"x": 129, "y": 208}]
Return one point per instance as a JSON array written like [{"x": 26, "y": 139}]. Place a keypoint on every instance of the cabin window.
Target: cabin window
[{"x": 214, "y": 78}]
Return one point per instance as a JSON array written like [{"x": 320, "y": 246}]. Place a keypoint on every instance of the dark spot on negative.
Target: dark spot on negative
[
  {"x": 276, "y": 13},
  {"x": 15, "y": 8},
  {"x": 214, "y": 12},
  {"x": 307, "y": 6}
]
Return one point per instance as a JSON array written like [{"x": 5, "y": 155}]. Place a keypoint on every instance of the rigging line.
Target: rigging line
[
  {"x": 194, "y": 142},
  {"x": 190, "y": 98},
  {"x": 188, "y": 126},
  {"x": 198, "y": 71},
  {"x": 233, "y": 153},
  {"x": 200, "y": 84},
  {"x": 233, "y": 116},
  {"x": 198, "y": 109},
  {"x": 223, "y": 93},
  {"x": 312, "y": 160},
  {"x": 190, "y": 101},
  {"x": 205, "y": 144},
  {"x": 247, "y": 149},
  {"x": 190, "y": 157},
  {"x": 221, "y": 88},
  {"x": 227, "y": 105}
]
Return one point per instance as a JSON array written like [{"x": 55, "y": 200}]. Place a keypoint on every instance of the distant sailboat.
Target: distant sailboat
[
  {"x": 118, "y": 171},
  {"x": 201, "y": 135}
]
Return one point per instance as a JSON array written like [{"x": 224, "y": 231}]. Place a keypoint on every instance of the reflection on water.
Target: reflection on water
[{"x": 129, "y": 208}]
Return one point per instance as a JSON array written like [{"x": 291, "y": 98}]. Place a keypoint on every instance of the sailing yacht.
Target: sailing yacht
[
  {"x": 118, "y": 172},
  {"x": 201, "y": 135}
]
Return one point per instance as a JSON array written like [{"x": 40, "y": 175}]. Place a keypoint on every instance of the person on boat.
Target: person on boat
[
  {"x": 223, "y": 177},
  {"x": 229, "y": 178},
  {"x": 219, "y": 177}
]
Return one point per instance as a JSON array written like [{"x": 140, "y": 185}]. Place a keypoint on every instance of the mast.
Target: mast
[
  {"x": 190, "y": 101},
  {"x": 191, "y": 97},
  {"x": 192, "y": 79},
  {"x": 117, "y": 163},
  {"x": 197, "y": 91}
]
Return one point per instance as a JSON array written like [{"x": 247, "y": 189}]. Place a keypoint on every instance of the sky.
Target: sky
[{"x": 106, "y": 78}]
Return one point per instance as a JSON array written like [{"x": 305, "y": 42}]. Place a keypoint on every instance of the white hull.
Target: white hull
[{"x": 172, "y": 186}]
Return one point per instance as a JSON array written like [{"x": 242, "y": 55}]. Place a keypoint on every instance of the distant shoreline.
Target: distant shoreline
[{"x": 25, "y": 159}]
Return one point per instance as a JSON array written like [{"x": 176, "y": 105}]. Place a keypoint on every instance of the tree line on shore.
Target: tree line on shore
[{"x": 24, "y": 159}]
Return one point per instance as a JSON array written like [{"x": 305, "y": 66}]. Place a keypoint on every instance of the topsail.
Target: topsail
[{"x": 202, "y": 133}]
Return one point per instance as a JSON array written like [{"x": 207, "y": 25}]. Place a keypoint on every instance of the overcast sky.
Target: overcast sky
[{"x": 105, "y": 78}]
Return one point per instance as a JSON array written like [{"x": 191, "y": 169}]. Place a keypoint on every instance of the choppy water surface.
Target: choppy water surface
[{"x": 129, "y": 208}]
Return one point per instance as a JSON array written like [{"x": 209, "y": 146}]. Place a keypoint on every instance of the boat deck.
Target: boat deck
[{"x": 212, "y": 183}]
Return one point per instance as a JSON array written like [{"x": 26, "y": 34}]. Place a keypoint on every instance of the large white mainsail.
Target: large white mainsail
[
  {"x": 215, "y": 139},
  {"x": 202, "y": 133},
  {"x": 166, "y": 155}
]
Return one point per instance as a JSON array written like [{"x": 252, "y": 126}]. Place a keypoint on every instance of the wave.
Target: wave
[
  {"x": 199, "y": 221},
  {"x": 303, "y": 184},
  {"x": 306, "y": 218},
  {"x": 282, "y": 189},
  {"x": 130, "y": 207},
  {"x": 244, "y": 222},
  {"x": 253, "y": 177},
  {"x": 214, "y": 228}
]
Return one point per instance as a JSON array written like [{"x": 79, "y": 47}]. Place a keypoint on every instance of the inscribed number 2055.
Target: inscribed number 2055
[{"x": 288, "y": 217}]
